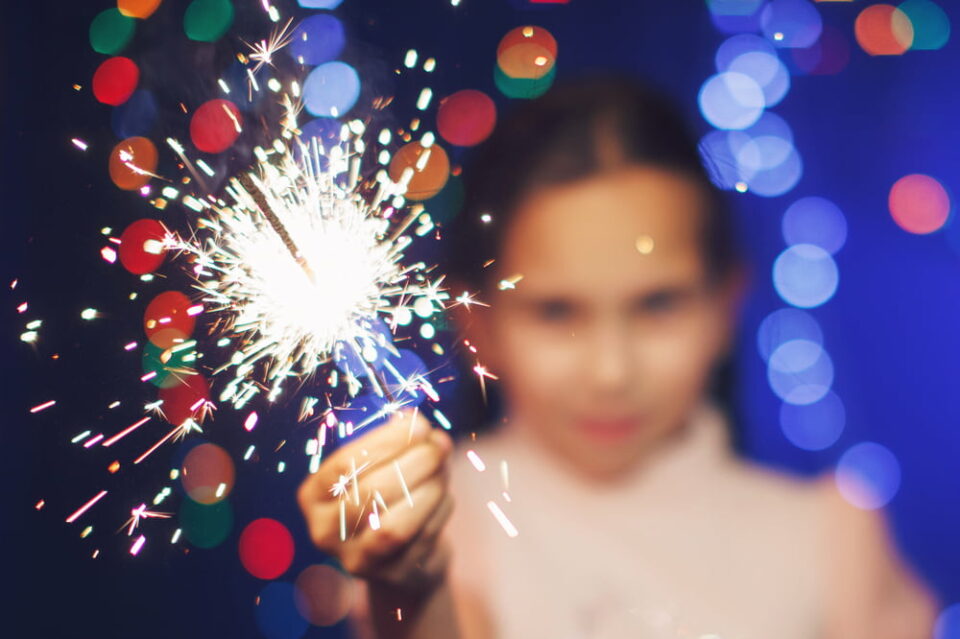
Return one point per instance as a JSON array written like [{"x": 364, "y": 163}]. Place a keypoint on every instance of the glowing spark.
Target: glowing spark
[
  {"x": 263, "y": 51},
  {"x": 126, "y": 431},
  {"x": 72, "y": 518},
  {"x": 424, "y": 100},
  {"x": 137, "y": 545},
  {"x": 509, "y": 283},
  {"x": 178, "y": 432},
  {"x": 501, "y": 518},
  {"x": 340, "y": 487},
  {"x": 476, "y": 461},
  {"x": 250, "y": 422},
  {"x": 139, "y": 513},
  {"x": 89, "y": 314},
  {"x": 80, "y": 144},
  {"x": 93, "y": 440},
  {"x": 403, "y": 484},
  {"x": 483, "y": 373},
  {"x": 43, "y": 406},
  {"x": 467, "y": 300}
]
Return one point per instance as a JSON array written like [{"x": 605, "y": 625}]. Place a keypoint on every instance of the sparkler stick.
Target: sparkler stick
[{"x": 246, "y": 182}]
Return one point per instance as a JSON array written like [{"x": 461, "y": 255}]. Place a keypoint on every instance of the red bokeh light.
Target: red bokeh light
[
  {"x": 266, "y": 548},
  {"x": 166, "y": 315},
  {"x": 215, "y": 125},
  {"x": 141, "y": 248},
  {"x": 115, "y": 80},
  {"x": 466, "y": 118},
  {"x": 919, "y": 204},
  {"x": 186, "y": 399}
]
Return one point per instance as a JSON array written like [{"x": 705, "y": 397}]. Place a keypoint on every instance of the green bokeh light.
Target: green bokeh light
[
  {"x": 445, "y": 205},
  {"x": 166, "y": 371},
  {"x": 526, "y": 88},
  {"x": 206, "y": 526},
  {"x": 207, "y": 20},
  {"x": 931, "y": 27},
  {"x": 111, "y": 31}
]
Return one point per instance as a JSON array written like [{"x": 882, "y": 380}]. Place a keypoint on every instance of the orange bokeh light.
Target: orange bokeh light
[
  {"x": 207, "y": 474},
  {"x": 527, "y": 53},
  {"x": 138, "y": 8},
  {"x": 883, "y": 29},
  {"x": 428, "y": 176},
  {"x": 132, "y": 162}
]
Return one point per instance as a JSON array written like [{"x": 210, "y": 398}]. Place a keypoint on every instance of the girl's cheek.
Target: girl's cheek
[
  {"x": 540, "y": 363},
  {"x": 678, "y": 360}
]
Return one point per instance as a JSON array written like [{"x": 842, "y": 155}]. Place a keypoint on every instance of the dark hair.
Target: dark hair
[{"x": 575, "y": 130}]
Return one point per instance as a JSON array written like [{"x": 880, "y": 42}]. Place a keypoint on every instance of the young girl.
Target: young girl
[{"x": 609, "y": 502}]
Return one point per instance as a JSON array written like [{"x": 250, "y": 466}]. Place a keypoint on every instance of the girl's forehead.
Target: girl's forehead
[{"x": 631, "y": 223}]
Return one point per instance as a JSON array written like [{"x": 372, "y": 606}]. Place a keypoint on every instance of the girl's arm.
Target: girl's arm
[{"x": 871, "y": 593}]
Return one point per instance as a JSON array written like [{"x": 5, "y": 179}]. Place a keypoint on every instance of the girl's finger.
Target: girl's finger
[
  {"x": 381, "y": 445},
  {"x": 391, "y": 484},
  {"x": 398, "y": 527}
]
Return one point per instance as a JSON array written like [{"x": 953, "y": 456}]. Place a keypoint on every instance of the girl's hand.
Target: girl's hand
[{"x": 401, "y": 550}]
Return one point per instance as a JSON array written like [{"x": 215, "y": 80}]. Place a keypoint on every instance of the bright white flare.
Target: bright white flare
[{"x": 303, "y": 265}]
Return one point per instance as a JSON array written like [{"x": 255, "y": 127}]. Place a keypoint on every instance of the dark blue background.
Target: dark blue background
[{"x": 891, "y": 329}]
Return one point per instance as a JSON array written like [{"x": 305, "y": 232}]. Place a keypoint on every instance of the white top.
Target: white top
[{"x": 696, "y": 543}]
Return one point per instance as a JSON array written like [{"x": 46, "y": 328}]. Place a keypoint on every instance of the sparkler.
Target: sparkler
[
  {"x": 300, "y": 265},
  {"x": 303, "y": 266}
]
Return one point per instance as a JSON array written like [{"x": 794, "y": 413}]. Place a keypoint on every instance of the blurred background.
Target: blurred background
[{"x": 833, "y": 125}]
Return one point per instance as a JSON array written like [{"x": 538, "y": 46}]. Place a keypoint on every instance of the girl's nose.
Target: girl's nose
[{"x": 611, "y": 365}]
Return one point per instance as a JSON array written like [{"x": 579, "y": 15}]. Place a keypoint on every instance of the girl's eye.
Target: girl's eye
[
  {"x": 554, "y": 311},
  {"x": 660, "y": 302}
]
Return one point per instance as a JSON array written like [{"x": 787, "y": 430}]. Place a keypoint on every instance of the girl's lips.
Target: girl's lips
[{"x": 609, "y": 430}]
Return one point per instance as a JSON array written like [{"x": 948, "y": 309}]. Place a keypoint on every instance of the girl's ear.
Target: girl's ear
[{"x": 472, "y": 322}]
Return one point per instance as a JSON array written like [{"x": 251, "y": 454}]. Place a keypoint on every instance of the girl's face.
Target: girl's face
[{"x": 606, "y": 340}]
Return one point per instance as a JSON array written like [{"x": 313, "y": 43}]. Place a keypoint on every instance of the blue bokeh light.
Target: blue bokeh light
[
  {"x": 779, "y": 179},
  {"x": 948, "y": 623},
  {"x": 319, "y": 4},
  {"x": 318, "y": 39},
  {"x": 815, "y": 220},
  {"x": 717, "y": 154},
  {"x": 767, "y": 71},
  {"x": 800, "y": 372},
  {"x": 276, "y": 614},
  {"x": 735, "y": 46},
  {"x": 805, "y": 275},
  {"x": 237, "y": 77},
  {"x": 735, "y": 16},
  {"x": 136, "y": 116},
  {"x": 331, "y": 89},
  {"x": 760, "y": 153},
  {"x": 868, "y": 475},
  {"x": 813, "y": 426},
  {"x": 784, "y": 325},
  {"x": 731, "y": 100},
  {"x": 791, "y": 23}
]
